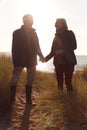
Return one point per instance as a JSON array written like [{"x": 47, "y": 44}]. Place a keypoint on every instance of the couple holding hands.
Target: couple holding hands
[{"x": 25, "y": 48}]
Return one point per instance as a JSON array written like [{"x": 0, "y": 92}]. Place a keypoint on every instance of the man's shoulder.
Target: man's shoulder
[
  {"x": 16, "y": 31},
  {"x": 33, "y": 32}
]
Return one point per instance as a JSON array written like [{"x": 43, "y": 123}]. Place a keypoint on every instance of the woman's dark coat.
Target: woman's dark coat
[{"x": 68, "y": 46}]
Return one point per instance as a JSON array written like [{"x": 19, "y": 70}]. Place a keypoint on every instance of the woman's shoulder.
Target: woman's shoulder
[{"x": 68, "y": 33}]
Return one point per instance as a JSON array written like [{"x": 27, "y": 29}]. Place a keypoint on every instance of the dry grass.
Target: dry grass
[
  {"x": 53, "y": 109},
  {"x": 5, "y": 75},
  {"x": 45, "y": 82}
]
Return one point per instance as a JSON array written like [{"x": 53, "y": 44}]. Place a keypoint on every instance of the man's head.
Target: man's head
[
  {"x": 61, "y": 24},
  {"x": 28, "y": 20}
]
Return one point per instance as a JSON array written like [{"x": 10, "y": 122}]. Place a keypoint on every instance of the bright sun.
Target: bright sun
[{"x": 40, "y": 9}]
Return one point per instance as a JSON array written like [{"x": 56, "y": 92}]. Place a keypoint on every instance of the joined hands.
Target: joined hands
[{"x": 42, "y": 59}]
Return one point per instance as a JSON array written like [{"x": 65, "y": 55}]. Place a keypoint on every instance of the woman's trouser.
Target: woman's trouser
[{"x": 64, "y": 72}]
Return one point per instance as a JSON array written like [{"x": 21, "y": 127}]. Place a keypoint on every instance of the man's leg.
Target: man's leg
[
  {"x": 30, "y": 79},
  {"x": 14, "y": 80}
]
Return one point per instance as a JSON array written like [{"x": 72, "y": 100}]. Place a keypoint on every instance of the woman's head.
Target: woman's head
[{"x": 61, "y": 24}]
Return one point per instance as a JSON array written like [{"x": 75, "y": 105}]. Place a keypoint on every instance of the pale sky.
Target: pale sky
[{"x": 45, "y": 13}]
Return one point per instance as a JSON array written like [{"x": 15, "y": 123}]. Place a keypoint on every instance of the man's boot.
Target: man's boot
[
  {"x": 12, "y": 94},
  {"x": 28, "y": 94}
]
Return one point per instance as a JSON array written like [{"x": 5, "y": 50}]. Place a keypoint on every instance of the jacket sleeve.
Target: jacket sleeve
[
  {"x": 38, "y": 49},
  {"x": 51, "y": 54},
  {"x": 13, "y": 46}
]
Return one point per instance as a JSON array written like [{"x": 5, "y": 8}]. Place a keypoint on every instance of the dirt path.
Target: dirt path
[{"x": 68, "y": 114}]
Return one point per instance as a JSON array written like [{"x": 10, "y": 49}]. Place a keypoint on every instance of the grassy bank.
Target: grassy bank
[{"x": 45, "y": 84}]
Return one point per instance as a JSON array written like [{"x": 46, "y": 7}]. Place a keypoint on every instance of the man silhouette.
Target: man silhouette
[{"x": 25, "y": 48}]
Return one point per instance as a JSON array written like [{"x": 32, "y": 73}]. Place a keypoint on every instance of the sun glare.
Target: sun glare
[
  {"x": 42, "y": 13},
  {"x": 39, "y": 10},
  {"x": 41, "y": 66}
]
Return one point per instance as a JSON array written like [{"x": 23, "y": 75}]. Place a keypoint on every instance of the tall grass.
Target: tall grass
[
  {"x": 5, "y": 75},
  {"x": 44, "y": 82},
  {"x": 80, "y": 81}
]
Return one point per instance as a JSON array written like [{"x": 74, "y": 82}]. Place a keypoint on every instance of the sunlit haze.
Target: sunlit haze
[{"x": 44, "y": 13}]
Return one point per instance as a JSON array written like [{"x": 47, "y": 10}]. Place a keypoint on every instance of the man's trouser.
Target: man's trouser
[{"x": 15, "y": 78}]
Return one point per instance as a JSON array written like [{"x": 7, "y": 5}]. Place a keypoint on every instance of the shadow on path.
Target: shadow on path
[
  {"x": 4, "y": 121},
  {"x": 25, "y": 120},
  {"x": 74, "y": 114}
]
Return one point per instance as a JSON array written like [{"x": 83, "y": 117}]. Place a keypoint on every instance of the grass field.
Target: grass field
[
  {"x": 42, "y": 80},
  {"x": 53, "y": 110}
]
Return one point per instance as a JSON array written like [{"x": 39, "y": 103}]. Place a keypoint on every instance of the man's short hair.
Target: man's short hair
[{"x": 27, "y": 17}]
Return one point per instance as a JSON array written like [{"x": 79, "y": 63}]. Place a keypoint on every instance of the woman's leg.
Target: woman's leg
[
  {"x": 59, "y": 76},
  {"x": 68, "y": 77}
]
